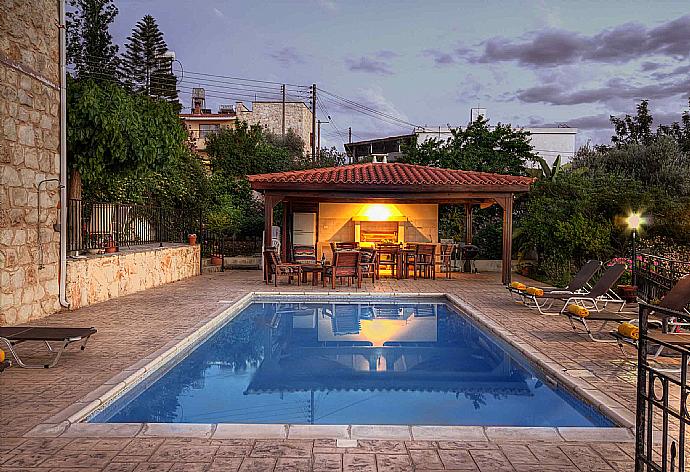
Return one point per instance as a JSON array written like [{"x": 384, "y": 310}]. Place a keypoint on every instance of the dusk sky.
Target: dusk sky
[{"x": 428, "y": 63}]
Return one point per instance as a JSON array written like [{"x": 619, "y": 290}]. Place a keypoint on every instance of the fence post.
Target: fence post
[
  {"x": 117, "y": 225},
  {"x": 160, "y": 226}
]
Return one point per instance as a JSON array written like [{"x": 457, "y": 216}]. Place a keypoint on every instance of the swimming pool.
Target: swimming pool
[{"x": 351, "y": 362}]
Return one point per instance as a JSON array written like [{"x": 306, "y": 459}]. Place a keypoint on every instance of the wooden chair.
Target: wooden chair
[
  {"x": 346, "y": 246},
  {"x": 425, "y": 261},
  {"x": 276, "y": 268},
  {"x": 368, "y": 263},
  {"x": 446, "y": 259},
  {"x": 345, "y": 265},
  {"x": 388, "y": 257}
]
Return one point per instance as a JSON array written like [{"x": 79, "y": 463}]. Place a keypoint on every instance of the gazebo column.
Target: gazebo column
[
  {"x": 270, "y": 201},
  {"x": 506, "y": 270},
  {"x": 468, "y": 233}
]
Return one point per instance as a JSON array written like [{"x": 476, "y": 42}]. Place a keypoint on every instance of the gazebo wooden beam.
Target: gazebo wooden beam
[{"x": 506, "y": 203}]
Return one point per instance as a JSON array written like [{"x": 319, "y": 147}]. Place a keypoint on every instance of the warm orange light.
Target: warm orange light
[
  {"x": 379, "y": 331},
  {"x": 379, "y": 212}
]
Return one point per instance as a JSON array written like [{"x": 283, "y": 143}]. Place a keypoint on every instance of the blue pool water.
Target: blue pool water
[{"x": 351, "y": 363}]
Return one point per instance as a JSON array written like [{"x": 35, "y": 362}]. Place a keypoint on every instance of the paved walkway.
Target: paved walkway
[{"x": 135, "y": 326}]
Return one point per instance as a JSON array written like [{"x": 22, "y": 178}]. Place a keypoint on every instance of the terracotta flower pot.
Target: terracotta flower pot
[
  {"x": 111, "y": 249},
  {"x": 628, "y": 292},
  {"x": 192, "y": 239},
  {"x": 216, "y": 260}
]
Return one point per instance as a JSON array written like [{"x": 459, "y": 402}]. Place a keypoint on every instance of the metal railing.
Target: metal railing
[
  {"x": 220, "y": 245},
  {"x": 98, "y": 225},
  {"x": 662, "y": 401},
  {"x": 656, "y": 275}
]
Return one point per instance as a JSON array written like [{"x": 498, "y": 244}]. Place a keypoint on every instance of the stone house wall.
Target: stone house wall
[
  {"x": 29, "y": 154},
  {"x": 100, "y": 278},
  {"x": 270, "y": 115}
]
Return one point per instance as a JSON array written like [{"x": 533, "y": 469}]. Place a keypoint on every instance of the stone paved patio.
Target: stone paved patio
[{"x": 135, "y": 326}]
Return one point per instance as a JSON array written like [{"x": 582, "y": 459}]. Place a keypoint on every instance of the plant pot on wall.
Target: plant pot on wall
[
  {"x": 216, "y": 260},
  {"x": 192, "y": 239},
  {"x": 111, "y": 249}
]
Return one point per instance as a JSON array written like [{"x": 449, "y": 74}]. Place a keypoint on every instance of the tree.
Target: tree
[
  {"x": 634, "y": 129},
  {"x": 90, "y": 46},
  {"x": 112, "y": 133},
  {"x": 478, "y": 147},
  {"x": 244, "y": 150},
  {"x": 145, "y": 66}
]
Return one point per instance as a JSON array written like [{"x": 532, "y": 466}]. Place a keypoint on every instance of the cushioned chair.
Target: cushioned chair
[
  {"x": 275, "y": 268},
  {"x": 302, "y": 254},
  {"x": 368, "y": 263}
]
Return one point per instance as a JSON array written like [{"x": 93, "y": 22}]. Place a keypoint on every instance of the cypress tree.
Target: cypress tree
[
  {"x": 145, "y": 65},
  {"x": 90, "y": 47}
]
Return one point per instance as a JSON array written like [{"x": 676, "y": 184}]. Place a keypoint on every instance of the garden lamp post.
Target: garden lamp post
[{"x": 634, "y": 222}]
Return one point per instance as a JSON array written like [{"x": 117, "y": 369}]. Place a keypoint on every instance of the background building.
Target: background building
[
  {"x": 202, "y": 121},
  {"x": 548, "y": 142}
]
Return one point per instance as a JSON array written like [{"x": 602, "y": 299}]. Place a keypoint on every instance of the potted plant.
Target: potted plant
[
  {"x": 192, "y": 239},
  {"x": 110, "y": 247},
  {"x": 216, "y": 259}
]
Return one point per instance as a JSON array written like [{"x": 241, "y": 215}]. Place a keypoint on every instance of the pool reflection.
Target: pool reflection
[{"x": 350, "y": 363}]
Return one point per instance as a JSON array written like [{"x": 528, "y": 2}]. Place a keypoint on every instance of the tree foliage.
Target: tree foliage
[
  {"x": 128, "y": 146},
  {"x": 90, "y": 46},
  {"x": 144, "y": 64},
  {"x": 478, "y": 147}
]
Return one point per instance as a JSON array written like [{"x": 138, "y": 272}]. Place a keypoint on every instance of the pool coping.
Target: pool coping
[{"x": 69, "y": 421}]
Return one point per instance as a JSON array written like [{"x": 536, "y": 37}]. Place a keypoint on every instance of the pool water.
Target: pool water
[{"x": 351, "y": 363}]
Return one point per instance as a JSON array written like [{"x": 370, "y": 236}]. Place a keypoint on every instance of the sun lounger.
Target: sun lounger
[
  {"x": 14, "y": 335},
  {"x": 671, "y": 308},
  {"x": 578, "y": 284}
]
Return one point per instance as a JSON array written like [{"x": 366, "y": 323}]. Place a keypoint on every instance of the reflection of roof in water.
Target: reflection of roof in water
[{"x": 306, "y": 370}]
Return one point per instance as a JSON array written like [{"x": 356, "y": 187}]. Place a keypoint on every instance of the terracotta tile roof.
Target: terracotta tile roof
[{"x": 384, "y": 176}]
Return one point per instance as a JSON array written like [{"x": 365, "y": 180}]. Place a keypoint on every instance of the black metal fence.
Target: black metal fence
[
  {"x": 656, "y": 275},
  {"x": 222, "y": 246},
  {"x": 662, "y": 401},
  {"x": 94, "y": 226}
]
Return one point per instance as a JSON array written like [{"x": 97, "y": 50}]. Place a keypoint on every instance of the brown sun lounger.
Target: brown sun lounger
[
  {"x": 13, "y": 335},
  {"x": 673, "y": 305}
]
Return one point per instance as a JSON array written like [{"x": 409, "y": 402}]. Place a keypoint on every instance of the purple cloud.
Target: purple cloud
[{"x": 369, "y": 66}]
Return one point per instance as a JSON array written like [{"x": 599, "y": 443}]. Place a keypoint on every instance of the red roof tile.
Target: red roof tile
[{"x": 389, "y": 176}]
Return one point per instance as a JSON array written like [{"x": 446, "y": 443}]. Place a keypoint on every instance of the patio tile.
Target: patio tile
[
  {"x": 393, "y": 463},
  {"x": 253, "y": 464},
  {"x": 382, "y": 447},
  {"x": 225, "y": 464},
  {"x": 359, "y": 463},
  {"x": 328, "y": 463},
  {"x": 177, "y": 429},
  {"x": 102, "y": 430},
  {"x": 426, "y": 459},
  {"x": 182, "y": 453},
  {"x": 120, "y": 467},
  {"x": 597, "y": 434},
  {"x": 500, "y": 433},
  {"x": 282, "y": 448},
  {"x": 457, "y": 459},
  {"x": 291, "y": 464}
]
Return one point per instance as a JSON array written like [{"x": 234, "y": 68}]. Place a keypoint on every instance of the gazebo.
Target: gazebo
[{"x": 383, "y": 200}]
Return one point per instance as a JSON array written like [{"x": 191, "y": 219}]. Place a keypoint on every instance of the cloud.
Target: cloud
[
  {"x": 680, "y": 70},
  {"x": 218, "y": 13},
  {"x": 555, "y": 94},
  {"x": 329, "y": 5},
  {"x": 288, "y": 56},
  {"x": 369, "y": 65},
  {"x": 649, "y": 66},
  {"x": 552, "y": 47},
  {"x": 440, "y": 58},
  {"x": 387, "y": 54}
]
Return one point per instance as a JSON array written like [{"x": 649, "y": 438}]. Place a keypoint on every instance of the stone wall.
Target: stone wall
[
  {"x": 100, "y": 278},
  {"x": 270, "y": 115},
  {"x": 29, "y": 154}
]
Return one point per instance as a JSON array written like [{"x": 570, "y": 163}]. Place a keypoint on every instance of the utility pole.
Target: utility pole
[
  {"x": 313, "y": 122},
  {"x": 318, "y": 145},
  {"x": 283, "y": 90},
  {"x": 349, "y": 135}
]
